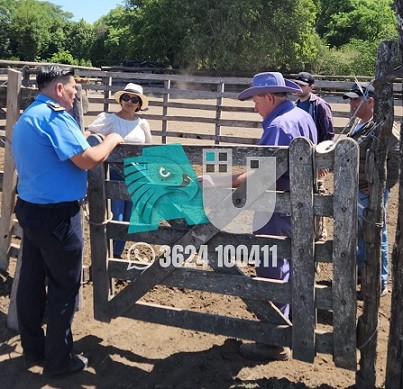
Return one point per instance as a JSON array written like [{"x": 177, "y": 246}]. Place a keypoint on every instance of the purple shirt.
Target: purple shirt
[{"x": 284, "y": 124}]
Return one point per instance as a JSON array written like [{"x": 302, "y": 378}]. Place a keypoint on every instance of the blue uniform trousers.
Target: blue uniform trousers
[{"x": 52, "y": 257}]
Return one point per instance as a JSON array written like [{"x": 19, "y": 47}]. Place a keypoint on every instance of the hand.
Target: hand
[{"x": 115, "y": 137}]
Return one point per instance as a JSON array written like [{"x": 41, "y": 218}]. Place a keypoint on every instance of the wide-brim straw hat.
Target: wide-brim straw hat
[
  {"x": 134, "y": 90},
  {"x": 269, "y": 82}
]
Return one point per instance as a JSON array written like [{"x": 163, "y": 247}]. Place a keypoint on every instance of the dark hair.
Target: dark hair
[
  {"x": 48, "y": 74},
  {"x": 280, "y": 94},
  {"x": 140, "y": 102}
]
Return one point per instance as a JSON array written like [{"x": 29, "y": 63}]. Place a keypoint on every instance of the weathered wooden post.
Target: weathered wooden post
[
  {"x": 371, "y": 275},
  {"x": 10, "y": 178},
  {"x": 394, "y": 367}
]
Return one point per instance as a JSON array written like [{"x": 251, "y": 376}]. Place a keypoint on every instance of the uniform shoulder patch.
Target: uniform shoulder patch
[{"x": 55, "y": 106}]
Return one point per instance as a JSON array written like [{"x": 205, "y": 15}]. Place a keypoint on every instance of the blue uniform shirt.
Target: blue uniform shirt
[{"x": 44, "y": 139}]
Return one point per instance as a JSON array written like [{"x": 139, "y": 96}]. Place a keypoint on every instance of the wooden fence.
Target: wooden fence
[
  {"x": 210, "y": 104},
  {"x": 178, "y": 92},
  {"x": 304, "y": 294}
]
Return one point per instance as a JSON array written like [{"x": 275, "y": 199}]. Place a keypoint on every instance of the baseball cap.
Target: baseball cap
[
  {"x": 304, "y": 78},
  {"x": 360, "y": 89}
]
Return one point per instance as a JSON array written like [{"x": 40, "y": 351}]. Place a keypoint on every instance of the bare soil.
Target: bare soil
[{"x": 131, "y": 354}]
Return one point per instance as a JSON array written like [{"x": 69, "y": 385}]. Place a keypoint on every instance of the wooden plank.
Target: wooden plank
[
  {"x": 12, "y": 316},
  {"x": 220, "y": 103},
  {"x": 222, "y": 325},
  {"x": 99, "y": 253},
  {"x": 302, "y": 245},
  {"x": 10, "y": 177},
  {"x": 225, "y": 283},
  {"x": 265, "y": 310},
  {"x": 214, "y": 324},
  {"x": 344, "y": 250},
  {"x": 375, "y": 174},
  {"x": 164, "y": 127}
]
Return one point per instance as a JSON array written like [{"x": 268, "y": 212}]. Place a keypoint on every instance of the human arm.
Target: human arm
[
  {"x": 103, "y": 124},
  {"x": 147, "y": 132},
  {"x": 324, "y": 122},
  {"x": 93, "y": 156}
]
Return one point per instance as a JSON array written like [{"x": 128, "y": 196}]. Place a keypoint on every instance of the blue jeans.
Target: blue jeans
[
  {"x": 384, "y": 248},
  {"x": 361, "y": 252},
  {"x": 121, "y": 210}
]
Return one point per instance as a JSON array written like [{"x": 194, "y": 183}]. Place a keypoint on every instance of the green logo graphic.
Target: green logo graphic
[{"x": 163, "y": 186}]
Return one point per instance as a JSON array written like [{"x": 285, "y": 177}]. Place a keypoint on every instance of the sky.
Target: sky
[{"x": 89, "y": 10}]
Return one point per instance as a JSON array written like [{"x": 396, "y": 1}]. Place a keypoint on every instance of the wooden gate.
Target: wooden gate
[{"x": 305, "y": 294}]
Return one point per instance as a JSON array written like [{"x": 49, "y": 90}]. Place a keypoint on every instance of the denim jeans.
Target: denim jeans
[
  {"x": 384, "y": 248},
  {"x": 361, "y": 252},
  {"x": 121, "y": 210}
]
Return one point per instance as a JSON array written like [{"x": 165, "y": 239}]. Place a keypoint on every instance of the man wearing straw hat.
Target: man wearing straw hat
[{"x": 282, "y": 122}]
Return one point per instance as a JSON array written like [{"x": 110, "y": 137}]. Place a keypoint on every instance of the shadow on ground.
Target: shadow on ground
[{"x": 214, "y": 368}]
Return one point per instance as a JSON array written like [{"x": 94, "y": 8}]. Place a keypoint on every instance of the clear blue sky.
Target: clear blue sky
[{"x": 89, "y": 10}]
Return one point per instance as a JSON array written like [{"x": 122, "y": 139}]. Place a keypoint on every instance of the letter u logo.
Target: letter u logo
[{"x": 258, "y": 194}]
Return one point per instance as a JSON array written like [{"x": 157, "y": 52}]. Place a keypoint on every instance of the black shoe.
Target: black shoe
[
  {"x": 33, "y": 360},
  {"x": 78, "y": 363}
]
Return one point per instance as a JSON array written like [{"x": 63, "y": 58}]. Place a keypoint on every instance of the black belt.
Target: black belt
[{"x": 56, "y": 205}]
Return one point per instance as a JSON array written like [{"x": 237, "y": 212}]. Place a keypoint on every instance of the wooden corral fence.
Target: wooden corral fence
[
  {"x": 210, "y": 102},
  {"x": 304, "y": 294},
  {"x": 167, "y": 94}
]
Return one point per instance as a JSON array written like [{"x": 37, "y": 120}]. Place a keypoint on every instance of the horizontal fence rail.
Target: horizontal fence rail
[
  {"x": 304, "y": 293},
  {"x": 193, "y": 109}
]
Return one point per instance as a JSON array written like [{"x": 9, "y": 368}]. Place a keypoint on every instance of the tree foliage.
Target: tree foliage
[
  {"x": 112, "y": 39},
  {"x": 227, "y": 35},
  {"x": 347, "y": 20},
  {"x": 232, "y": 36}
]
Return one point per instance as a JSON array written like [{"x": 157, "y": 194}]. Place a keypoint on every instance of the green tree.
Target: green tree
[
  {"x": 112, "y": 37},
  {"x": 231, "y": 35},
  {"x": 79, "y": 39},
  {"x": 36, "y": 29},
  {"x": 6, "y": 10},
  {"x": 365, "y": 20}
]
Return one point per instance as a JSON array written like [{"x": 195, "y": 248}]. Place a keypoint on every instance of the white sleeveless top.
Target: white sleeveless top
[{"x": 132, "y": 131}]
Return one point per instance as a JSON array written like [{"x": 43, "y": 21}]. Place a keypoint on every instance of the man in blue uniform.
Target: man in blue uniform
[
  {"x": 282, "y": 122},
  {"x": 52, "y": 156}
]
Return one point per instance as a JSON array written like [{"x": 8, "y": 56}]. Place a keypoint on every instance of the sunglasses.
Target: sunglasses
[{"x": 133, "y": 99}]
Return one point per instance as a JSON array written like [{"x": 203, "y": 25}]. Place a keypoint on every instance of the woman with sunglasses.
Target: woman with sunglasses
[{"x": 133, "y": 129}]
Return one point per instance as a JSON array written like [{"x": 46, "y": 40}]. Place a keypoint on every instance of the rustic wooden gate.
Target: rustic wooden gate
[{"x": 304, "y": 293}]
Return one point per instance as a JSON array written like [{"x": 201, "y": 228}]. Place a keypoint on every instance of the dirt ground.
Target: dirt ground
[{"x": 131, "y": 354}]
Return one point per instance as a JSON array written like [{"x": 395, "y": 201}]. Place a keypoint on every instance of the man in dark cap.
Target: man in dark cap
[
  {"x": 52, "y": 156},
  {"x": 364, "y": 130},
  {"x": 282, "y": 122},
  {"x": 317, "y": 107},
  {"x": 321, "y": 114}
]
